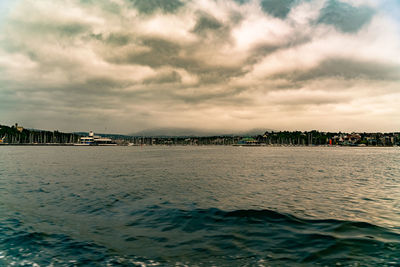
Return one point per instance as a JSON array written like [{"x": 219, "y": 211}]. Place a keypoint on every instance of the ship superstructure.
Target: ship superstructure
[{"x": 95, "y": 140}]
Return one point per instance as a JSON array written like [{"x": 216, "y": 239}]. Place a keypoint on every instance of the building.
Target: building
[{"x": 19, "y": 128}]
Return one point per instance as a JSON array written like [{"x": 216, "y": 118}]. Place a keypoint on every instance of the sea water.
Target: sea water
[{"x": 199, "y": 206}]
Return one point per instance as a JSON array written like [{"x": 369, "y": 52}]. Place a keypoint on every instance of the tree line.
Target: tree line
[{"x": 17, "y": 135}]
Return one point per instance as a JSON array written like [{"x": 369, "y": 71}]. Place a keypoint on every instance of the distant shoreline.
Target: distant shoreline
[
  {"x": 17, "y": 135},
  {"x": 194, "y": 145},
  {"x": 24, "y": 144}
]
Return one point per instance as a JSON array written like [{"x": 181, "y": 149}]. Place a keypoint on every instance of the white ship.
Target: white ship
[{"x": 94, "y": 140}]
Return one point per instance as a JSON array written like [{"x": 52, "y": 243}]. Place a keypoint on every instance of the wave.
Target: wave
[
  {"x": 207, "y": 237},
  {"x": 272, "y": 236}
]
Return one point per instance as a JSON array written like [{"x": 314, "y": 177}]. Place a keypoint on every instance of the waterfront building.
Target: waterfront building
[{"x": 19, "y": 128}]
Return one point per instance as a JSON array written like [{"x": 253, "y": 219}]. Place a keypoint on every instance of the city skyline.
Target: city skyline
[{"x": 127, "y": 66}]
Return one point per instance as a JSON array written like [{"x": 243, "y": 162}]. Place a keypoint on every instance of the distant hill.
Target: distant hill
[{"x": 188, "y": 132}]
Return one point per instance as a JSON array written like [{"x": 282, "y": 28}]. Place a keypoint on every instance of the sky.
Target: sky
[{"x": 122, "y": 66}]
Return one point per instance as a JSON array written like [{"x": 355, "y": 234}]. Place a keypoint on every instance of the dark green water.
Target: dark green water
[{"x": 199, "y": 206}]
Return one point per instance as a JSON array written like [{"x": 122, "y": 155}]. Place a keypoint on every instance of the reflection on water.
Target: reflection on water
[{"x": 199, "y": 206}]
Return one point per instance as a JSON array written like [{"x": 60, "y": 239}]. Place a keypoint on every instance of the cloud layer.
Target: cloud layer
[{"x": 128, "y": 65}]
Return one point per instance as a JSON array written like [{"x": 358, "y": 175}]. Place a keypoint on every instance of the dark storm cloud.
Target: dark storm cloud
[
  {"x": 150, "y": 6},
  {"x": 206, "y": 23},
  {"x": 345, "y": 69},
  {"x": 164, "y": 53},
  {"x": 277, "y": 8},
  {"x": 263, "y": 50},
  {"x": 106, "y": 5},
  {"x": 211, "y": 29},
  {"x": 345, "y": 17},
  {"x": 118, "y": 39}
]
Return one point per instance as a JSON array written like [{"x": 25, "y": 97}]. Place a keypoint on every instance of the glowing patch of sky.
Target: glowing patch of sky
[
  {"x": 391, "y": 7},
  {"x": 5, "y": 7}
]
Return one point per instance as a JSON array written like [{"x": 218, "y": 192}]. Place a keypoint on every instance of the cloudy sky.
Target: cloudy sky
[{"x": 228, "y": 65}]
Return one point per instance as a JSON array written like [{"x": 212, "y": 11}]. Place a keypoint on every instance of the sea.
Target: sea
[{"x": 199, "y": 206}]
